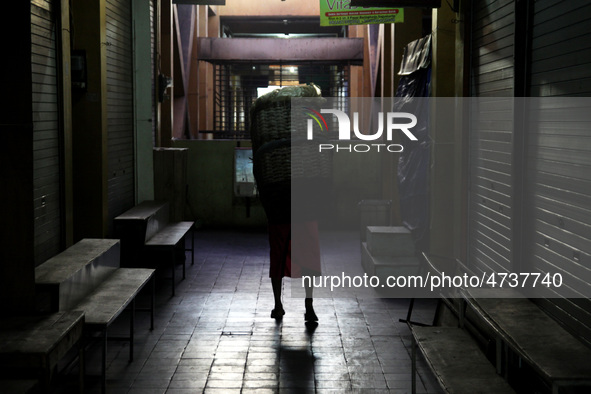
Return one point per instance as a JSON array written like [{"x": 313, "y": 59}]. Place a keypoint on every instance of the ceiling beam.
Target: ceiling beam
[{"x": 278, "y": 49}]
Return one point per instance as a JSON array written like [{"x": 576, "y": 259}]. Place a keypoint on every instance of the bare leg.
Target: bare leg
[
  {"x": 310, "y": 315},
  {"x": 277, "y": 312}
]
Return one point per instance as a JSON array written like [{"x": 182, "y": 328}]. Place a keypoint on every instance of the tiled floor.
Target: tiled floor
[{"x": 216, "y": 334}]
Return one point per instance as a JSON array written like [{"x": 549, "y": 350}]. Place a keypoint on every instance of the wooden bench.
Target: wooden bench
[
  {"x": 87, "y": 277},
  {"x": 456, "y": 360},
  {"x": 146, "y": 228},
  {"x": 21, "y": 386},
  {"x": 522, "y": 328},
  {"x": 451, "y": 352},
  {"x": 32, "y": 347}
]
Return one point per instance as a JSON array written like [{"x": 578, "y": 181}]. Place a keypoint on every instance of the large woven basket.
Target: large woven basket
[{"x": 272, "y": 133}]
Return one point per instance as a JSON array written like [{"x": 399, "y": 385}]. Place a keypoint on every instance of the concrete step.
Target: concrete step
[
  {"x": 384, "y": 266},
  {"x": 75, "y": 272},
  {"x": 392, "y": 241}
]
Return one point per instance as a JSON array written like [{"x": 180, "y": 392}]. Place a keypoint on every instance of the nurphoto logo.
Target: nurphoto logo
[{"x": 389, "y": 122}]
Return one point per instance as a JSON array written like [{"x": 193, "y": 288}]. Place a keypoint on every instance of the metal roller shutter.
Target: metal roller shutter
[
  {"x": 560, "y": 48},
  {"x": 491, "y": 179},
  {"x": 121, "y": 184},
  {"x": 493, "y": 28},
  {"x": 558, "y": 188},
  {"x": 46, "y": 132}
]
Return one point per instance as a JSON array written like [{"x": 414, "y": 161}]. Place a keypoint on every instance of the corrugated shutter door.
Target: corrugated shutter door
[
  {"x": 46, "y": 132},
  {"x": 558, "y": 191},
  {"x": 560, "y": 48},
  {"x": 492, "y": 42},
  {"x": 120, "y": 108},
  {"x": 490, "y": 214}
]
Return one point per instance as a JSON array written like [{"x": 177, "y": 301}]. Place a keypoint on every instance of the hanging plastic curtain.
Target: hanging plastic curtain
[{"x": 413, "y": 164}]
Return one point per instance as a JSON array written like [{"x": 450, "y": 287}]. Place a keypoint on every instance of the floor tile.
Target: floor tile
[{"x": 216, "y": 334}]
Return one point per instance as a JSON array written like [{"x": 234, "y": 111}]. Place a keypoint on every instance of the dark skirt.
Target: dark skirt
[{"x": 295, "y": 250}]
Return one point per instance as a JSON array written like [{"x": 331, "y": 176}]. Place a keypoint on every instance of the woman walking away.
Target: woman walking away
[{"x": 293, "y": 239}]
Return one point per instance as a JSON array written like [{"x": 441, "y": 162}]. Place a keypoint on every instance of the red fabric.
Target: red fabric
[{"x": 303, "y": 249}]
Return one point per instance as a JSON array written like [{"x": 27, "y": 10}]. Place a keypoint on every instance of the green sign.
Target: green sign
[{"x": 340, "y": 12}]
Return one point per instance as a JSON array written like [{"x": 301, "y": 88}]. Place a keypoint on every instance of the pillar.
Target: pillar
[
  {"x": 166, "y": 69},
  {"x": 17, "y": 260},
  {"x": 89, "y": 120},
  {"x": 396, "y": 37},
  {"x": 443, "y": 148},
  {"x": 142, "y": 84}
]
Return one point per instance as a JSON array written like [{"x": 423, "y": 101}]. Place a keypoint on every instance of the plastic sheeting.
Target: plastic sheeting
[{"x": 413, "y": 164}]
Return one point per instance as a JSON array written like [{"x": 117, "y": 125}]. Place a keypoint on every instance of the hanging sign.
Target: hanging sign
[{"x": 340, "y": 12}]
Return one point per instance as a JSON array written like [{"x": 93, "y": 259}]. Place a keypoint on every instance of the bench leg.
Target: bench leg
[
  {"x": 413, "y": 362},
  {"x": 104, "y": 362},
  {"x": 81, "y": 365},
  {"x": 184, "y": 261},
  {"x": 152, "y": 302},
  {"x": 499, "y": 355},
  {"x": 173, "y": 272},
  {"x": 46, "y": 376},
  {"x": 411, "y": 305},
  {"x": 131, "y": 329},
  {"x": 415, "y": 323},
  {"x": 506, "y": 360},
  {"x": 192, "y": 246},
  {"x": 462, "y": 313}
]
